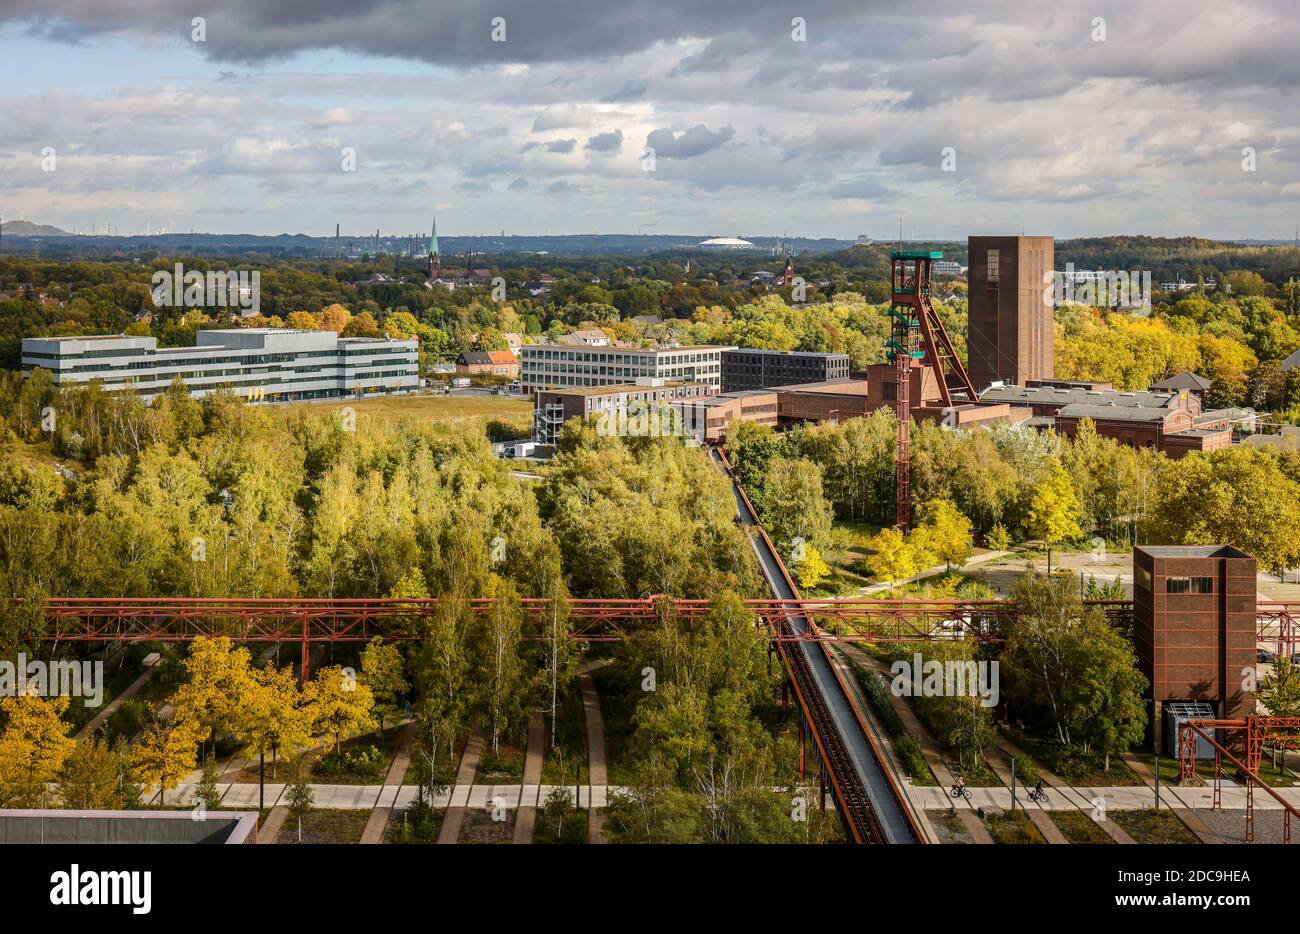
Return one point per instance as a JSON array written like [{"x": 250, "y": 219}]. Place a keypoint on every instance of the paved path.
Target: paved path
[
  {"x": 274, "y": 823},
  {"x": 526, "y": 818},
  {"x": 938, "y": 569},
  {"x": 378, "y": 823},
  {"x": 98, "y": 720},
  {"x": 1067, "y": 795},
  {"x": 596, "y": 764},
  {"x": 454, "y": 816}
]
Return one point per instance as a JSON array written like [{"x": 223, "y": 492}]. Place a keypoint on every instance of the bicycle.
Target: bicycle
[
  {"x": 1039, "y": 795},
  {"x": 960, "y": 791}
]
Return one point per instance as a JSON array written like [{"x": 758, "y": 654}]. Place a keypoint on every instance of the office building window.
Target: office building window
[{"x": 993, "y": 265}]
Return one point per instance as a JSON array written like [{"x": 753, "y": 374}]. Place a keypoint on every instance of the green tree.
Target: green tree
[{"x": 383, "y": 672}]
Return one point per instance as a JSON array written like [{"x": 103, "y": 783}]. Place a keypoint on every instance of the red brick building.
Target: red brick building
[{"x": 1194, "y": 625}]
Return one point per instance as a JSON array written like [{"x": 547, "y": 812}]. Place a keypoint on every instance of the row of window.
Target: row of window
[{"x": 1176, "y": 584}]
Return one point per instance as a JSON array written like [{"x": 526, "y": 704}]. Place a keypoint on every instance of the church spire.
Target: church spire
[{"x": 435, "y": 256}]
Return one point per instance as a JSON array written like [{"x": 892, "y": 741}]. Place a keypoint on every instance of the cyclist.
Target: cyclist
[
  {"x": 959, "y": 788},
  {"x": 1038, "y": 794}
]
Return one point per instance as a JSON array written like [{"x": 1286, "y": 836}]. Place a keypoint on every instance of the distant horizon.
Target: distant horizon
[{"x": 697, "y": 237}]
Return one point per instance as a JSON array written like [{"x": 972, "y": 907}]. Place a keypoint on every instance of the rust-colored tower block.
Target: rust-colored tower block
[{"x": 918, "y": 334}]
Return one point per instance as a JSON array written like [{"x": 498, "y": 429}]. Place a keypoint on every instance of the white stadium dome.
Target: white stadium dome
[{"x": 726, "y": 243}]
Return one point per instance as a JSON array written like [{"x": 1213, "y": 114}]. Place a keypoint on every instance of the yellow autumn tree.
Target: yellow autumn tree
[
  {"x": 893, "y": 558},
  {"x": 219, "y": 686},
  {"x": 302, "y": 321},
  {"x": 337, "y": 703},
  {"x": 166, "y": 753},
  {"x": 1054, "y": 511},
  {"x": 274, "y": 717},
  {"x": 333, "y": 318},
  {"x": 33, "y": 747},
  {"x": 812, "y": 570}
]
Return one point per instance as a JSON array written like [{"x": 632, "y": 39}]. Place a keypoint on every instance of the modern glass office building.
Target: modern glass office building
[
  {"x": 270, "y": 363},
  {"x": 551, "y": 366}
]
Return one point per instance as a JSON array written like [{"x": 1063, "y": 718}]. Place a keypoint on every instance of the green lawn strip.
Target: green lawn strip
[
  {"x": 572, "y": 829},
  {"x": 617, "y": 702},
  {"x": 1012, "y": 827},
  {"x": 1170, "y": 773},
  {"x": 1151, "y": 826},
  {"x": 1078, "y": 827},
  {"x": 325, "y": 825},
  {"x": 570, "y": 751},
  {"x": 362, "y": 760},
  {"x": 1072, "y": 766}
]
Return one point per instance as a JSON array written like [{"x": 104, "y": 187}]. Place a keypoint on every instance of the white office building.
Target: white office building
[
  {"x": 270, "y": 363},
  {"x": 552, "y": 366}
]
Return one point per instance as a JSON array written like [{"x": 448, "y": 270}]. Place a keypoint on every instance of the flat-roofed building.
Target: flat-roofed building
[
  {"x": 1010, "y": 334},
  {"x": 643, "y": 408},
  {"x": 1194, "y": 625},
  {"x": 554, "y": 366},
  {"x": 833, "y": 400},
  {"x": 710, "y": 417},
  {"x": 746, "y": 368},
  {"x": 272, "y": 363}
]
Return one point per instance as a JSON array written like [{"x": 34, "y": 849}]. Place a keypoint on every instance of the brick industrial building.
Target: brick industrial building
[
  {"x": 1194, "y": 626},
  {"x": 1010, "y": 311}
]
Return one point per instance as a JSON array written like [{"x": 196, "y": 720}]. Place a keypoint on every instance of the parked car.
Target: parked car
[{"x": 1264, "y": 655}]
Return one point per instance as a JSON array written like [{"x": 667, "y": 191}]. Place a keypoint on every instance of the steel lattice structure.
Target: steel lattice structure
[
  {"x": 180, "y": 619},
  {"x": 1258, "y": 731}
]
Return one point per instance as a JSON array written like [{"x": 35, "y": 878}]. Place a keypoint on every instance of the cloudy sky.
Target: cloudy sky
[{"x": 810, "y": 117}]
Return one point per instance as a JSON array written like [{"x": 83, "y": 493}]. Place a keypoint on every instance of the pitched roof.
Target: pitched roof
[{"x": 1183, "y": 380}]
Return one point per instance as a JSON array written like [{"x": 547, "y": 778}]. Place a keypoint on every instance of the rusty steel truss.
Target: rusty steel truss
[
  {"x": 180, "y": 619},
  {"x": 1284, "y": 731}
]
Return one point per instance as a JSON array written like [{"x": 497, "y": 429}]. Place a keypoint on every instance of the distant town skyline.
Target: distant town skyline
[{"x": 819, "y": 119}]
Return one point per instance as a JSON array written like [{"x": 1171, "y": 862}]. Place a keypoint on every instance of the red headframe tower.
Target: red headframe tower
[{"x": 918, "y": 335}]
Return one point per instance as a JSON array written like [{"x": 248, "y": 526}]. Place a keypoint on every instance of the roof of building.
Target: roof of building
[
  {"x": 1191, "y": 551},
  {"x": 616, "y": 390},
  {"x": 475, "y": 358},
  {"x": 843, "y": 386},
  {"x": 788, "y": 353},
  {"x": 1199, "y": 433},
  {"x": 1184, "y": 380},
  {"x": 1230, "y": 414},
  {"x": 1291, "y": 361},
  {"x": 1115, "y": 413},
  {"x": 1023, "y": 395},
  {"x": 675, "y": 349}
]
